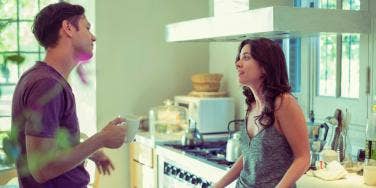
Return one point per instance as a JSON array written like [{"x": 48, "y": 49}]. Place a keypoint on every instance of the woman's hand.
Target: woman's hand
[{"x": 103, "y": 163}]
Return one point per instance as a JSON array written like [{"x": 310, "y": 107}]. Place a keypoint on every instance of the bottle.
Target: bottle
[{"x": 369, "y": 171}]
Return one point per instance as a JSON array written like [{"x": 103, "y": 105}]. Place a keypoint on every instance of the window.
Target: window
[
  {"x": 340, "y": 64},
  {"x": 291, "y": 48},
  {"x": 16, "y": 38},
  {"x": 338, "y": 70}
]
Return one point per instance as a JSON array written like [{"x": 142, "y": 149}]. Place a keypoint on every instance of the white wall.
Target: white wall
[
  {"x": 136, "y": 68},
  {"x": 222, "y": 60}
]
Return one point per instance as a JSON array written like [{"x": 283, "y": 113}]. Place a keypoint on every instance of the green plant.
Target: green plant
[
  {"x": 16, "y": 59},
  {"x": 11, "y": 152}
]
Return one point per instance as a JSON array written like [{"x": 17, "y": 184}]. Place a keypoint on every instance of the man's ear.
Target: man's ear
[{"x": 67, "y": 28}]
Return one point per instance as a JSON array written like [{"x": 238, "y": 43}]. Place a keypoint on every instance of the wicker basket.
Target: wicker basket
[{"x": 206, "y": 82}]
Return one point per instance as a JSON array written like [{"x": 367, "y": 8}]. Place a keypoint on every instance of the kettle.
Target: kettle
[
  {"x": 192, "y": 137},
  {"x": 233, "y": 149}
]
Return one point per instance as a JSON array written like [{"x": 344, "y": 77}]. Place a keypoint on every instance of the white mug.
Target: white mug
[{"x": 133, "y": 123}]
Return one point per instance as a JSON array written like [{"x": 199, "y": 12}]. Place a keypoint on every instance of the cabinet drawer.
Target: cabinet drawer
[
  {"x": 143, "y": 176},
  {"x": 142, "y": 154}
]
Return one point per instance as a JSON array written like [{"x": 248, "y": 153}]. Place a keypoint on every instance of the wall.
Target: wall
[
  {"x": 222, "y": 60},
  {"x": 136, "y": 68}
]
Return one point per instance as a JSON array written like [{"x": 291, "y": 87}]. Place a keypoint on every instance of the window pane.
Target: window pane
[
  {"x": 8, "y": 9},
  {"x": 44, "y": 3},
  {"x": 5, "y": 123},
  {"x": 328, "y": 4},
  {"x": 6, "y": 100},
  {"x": 351, "y": 4},
  {"x": 294, "y": 64},
  {"x": 8, "y": 71},
  {"x": 327, "y": 65},
  {"x": 350, "y": 66},
  {"x": 30, "y": 60},
  {"x": 8, "y": 37},
  {"x": 27, "y": 39},
  {"x": 28, "y": 9}
]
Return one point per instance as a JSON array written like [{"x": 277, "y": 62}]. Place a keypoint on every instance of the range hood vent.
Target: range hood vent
[{"x": 275, "y": 22}]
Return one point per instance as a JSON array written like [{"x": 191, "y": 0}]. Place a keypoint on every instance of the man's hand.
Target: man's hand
[{"x": 103, "y": 163}]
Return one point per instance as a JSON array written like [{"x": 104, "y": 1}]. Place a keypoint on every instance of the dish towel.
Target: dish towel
[{"x": 333, "y": 171}]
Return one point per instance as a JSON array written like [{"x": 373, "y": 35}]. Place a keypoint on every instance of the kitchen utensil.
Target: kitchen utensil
[
  {"x": 317, "y": 141},
  {"x": 192, "y": 137},
  {"x": 338, "y": 140},
  {"x": 233, "y": 150}
]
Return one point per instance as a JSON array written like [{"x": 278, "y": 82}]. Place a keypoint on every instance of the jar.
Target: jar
[{"x": 167, "y": 119}]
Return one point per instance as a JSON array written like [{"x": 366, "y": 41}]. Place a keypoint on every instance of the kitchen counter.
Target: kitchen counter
[
  {"x": 146, "y": 138},
  {"x": 352, "y": 180}
]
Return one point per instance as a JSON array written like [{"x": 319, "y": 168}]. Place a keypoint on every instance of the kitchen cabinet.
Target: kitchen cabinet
[{"x": 143, "y": 166}]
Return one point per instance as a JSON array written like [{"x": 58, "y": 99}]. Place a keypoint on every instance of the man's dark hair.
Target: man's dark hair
[{"x": 48, "y": 21}]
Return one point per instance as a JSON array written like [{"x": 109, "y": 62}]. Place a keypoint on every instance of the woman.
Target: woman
[{"x": 275, "y": 146}]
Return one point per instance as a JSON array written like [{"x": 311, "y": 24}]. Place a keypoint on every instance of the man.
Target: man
[{"x": 44, "y": 120}]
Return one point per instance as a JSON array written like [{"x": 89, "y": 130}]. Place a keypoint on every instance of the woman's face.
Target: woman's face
[{"x": 249, "y": 71}]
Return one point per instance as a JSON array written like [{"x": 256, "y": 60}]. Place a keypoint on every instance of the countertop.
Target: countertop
[
  {"x": 352, "y": 180},
  {"x": 151, "y": 140}
]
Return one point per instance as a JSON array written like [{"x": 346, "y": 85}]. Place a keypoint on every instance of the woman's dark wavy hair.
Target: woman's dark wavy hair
[
  {"x": 271, "y": 59},
  {"x": 48, "y": 21}
]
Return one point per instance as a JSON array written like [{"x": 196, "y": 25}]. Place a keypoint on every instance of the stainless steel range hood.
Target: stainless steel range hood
[{"x": 271, "y": 22}]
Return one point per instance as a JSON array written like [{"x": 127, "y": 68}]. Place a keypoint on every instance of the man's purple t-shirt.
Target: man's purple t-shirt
[{"x": 44, "y": 106}]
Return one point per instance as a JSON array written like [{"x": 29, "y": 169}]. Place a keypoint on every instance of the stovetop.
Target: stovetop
[{"x": 212, "y": 151}]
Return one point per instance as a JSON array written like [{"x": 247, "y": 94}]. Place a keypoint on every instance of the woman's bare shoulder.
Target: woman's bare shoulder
[{"x": 284, "y": 101}]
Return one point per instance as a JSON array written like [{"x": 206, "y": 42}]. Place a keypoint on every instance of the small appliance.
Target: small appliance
[{"x": 210, "y": 114}]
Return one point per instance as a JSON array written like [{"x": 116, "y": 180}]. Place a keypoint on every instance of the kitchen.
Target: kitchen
[{"x": 131, "y": 43}]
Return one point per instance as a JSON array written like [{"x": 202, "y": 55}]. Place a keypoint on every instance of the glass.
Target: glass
[
  {"x": 168, "y": 119},
  {"x": 30, "y": 60},
  {"x": 28, "y": 9},
  {"x": 350, "y": 66},
  {"x": 6, "y": 100},
  {"x": 44, "y": 3},
  {"x": 351, "y": 4},
  {"x": 8, "y": 37},
  {"x": 8, "y": 9},
  {"x": 8, "y": 71},
  {"x": 328, "y": 4},
  {"x": 27, "y": 40},
  {"x": 294, "y": 64},
  {"x": 5, "y": 123},
  {"x": 327, "y": 66}
]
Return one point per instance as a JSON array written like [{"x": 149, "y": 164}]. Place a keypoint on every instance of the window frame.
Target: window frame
[
  {"x": 6, "y": 114},
  {"x": 324, "y": 106}
]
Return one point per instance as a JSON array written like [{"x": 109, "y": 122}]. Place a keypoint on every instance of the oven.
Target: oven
[
  {"x": 191, "y": 167},
  {"x": 172, "y": 175}
]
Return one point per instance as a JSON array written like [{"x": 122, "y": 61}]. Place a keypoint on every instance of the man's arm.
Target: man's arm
[{"x": 46, "y": 162}]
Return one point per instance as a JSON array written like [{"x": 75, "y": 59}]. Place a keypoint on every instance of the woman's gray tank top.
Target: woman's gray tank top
[{"x": 266, "y": 158}]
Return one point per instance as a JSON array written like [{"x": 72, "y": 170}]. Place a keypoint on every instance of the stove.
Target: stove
[
  {"x": 212, "y": 151},
  {"x": 192, "y": 167}
]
